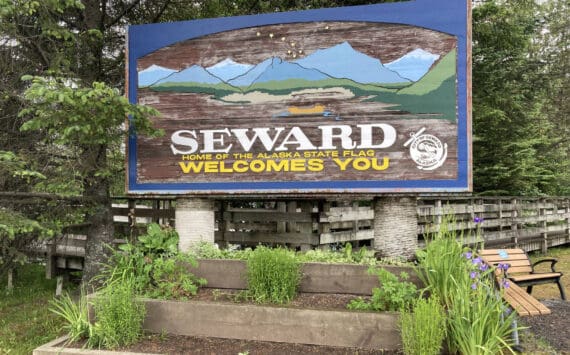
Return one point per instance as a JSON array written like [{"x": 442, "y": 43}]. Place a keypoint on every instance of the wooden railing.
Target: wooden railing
[
  {"x": 522, "y": 222},
  {"x": 528, "y": 223}
]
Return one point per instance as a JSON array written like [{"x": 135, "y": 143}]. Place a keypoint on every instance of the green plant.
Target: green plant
[
  {"x": 423, "y": 327},
  {"x": 159, "y": 240},
  {"x": 75, "y": 315},
  {"x": 207, "y": 250},
  {"x": 154, "y": 266},
  {"x": 479, "y": 320},
  {"x": 441, "y": 262},
  {"x": 171, "y": 278},
  {"x": 273, "y": 275},
  {"x": 119, "y": 316},
  {"x": 393, "y": 294},
  {"x": 345, "y": 255}
]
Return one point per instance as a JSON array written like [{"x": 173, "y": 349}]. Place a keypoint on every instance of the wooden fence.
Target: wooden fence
[{"x": 528, "y": 223}]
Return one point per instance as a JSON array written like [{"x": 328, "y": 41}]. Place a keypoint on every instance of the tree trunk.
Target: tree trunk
[{"x": 100, "y": 233}]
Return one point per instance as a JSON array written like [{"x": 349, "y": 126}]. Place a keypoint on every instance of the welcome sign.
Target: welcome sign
[{"x": 356, "y": 99}]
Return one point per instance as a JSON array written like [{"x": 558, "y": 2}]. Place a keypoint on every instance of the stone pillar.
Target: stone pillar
[
  {"x": 395, "y": 226},
  {"x": 195, "y": 221}
]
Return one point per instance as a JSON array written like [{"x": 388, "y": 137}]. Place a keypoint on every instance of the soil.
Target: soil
[{"x": 550, "y": 329}]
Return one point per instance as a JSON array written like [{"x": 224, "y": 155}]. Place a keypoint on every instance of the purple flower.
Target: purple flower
[
  {"x": 502, "y": 266},
  {"x": 474, "y": 286},
  {"x": 508, "y": 311},
  {"x": 478, "y": 220},
  {"x": 484, "y": 267},
  {"x": 473, "y": 274},
  {"x": 468, "y": 255},
  {"x": 505, "y": 283},
  {"x": 477, "y": 261}
]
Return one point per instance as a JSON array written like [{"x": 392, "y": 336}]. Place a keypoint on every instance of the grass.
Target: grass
[
  {"x": 25, "y": 321},
  {"x": 550, "y": 291}
]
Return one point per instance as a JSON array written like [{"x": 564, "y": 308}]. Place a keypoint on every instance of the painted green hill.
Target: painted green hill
[
  {"x": 218, "y": 90},
  {"x": 443, "y": 70},
  {"x": 288, "y": 86},
  {"x": 434, "y": 94}
]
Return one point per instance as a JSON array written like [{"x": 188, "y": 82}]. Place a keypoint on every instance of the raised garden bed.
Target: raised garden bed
[
  {"x": 317, "y": 277},
  {"x": 324, "y": 327}
]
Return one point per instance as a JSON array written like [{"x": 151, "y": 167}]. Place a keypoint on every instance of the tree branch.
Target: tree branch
[{"x": 123, "y": 13}]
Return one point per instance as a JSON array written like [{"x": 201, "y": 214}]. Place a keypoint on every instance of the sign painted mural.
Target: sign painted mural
[{"x": 357, "y": 99}]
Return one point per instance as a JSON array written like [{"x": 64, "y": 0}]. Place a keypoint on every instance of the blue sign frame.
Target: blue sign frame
[{"x": 448, "y": 16}]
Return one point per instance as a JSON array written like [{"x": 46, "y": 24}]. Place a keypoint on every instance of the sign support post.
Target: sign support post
[
  {"x": 395, "y": 226},
  {"x": 195, "y": 221}
]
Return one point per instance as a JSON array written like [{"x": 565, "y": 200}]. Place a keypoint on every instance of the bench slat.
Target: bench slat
[
  {"x": 494, "y": 251},
  {"x": 523, "y": 303},
  {"x": 548, "y": 275},
  {"x": 512, "y": 261}
]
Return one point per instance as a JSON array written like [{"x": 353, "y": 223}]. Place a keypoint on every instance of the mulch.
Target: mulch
[{"x": 553, "y": 328}]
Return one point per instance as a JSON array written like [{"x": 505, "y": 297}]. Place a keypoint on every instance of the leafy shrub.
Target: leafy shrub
[
  {"x": 119, "y": 316},
  {"x": 273, "y": 275},
  {"x": 345, "y": 255},
  {"x": 159, "y": 240},
  {"x": 171, "y": 278},
  {"x": 423, "y": 327},
  {"x": 392, "y": 295},
  {"x": 207, "y": 250},
  {"x": 155, "y": 266}
]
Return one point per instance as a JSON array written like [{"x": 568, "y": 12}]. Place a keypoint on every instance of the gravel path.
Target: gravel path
[{"x": 554, "y": 327}]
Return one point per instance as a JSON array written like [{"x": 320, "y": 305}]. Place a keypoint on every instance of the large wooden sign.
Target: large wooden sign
[{"x": 356, "y": 99}]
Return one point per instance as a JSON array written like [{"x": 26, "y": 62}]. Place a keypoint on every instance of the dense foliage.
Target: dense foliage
[
  {"x": 154, "y": 266},
  {"x": 520, "y": 119}
]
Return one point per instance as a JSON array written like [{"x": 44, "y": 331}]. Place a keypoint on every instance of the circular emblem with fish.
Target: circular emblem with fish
[{"x": 428, "y": 152}]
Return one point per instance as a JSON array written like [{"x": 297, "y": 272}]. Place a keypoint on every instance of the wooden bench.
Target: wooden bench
[
  {"x": 520, "y": 269},
  {"x": 520, "y": 300}
]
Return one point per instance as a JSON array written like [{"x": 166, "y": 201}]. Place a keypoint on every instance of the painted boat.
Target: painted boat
[{"x": 315, "y": 109}]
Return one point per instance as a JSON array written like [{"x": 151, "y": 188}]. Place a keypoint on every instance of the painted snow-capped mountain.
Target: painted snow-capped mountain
[
  {"x": 250, "y": 76},
  {"x": 281, "y": 70},
  {"x": 153, "y": 74},
  {"x": 193, "y": 74},
  {"x": 343, "y": 61},
  {"x": 276, "y": 69},
  {"x": 414, "y": 64},
  {"x": 338, "y": 62},
  {"x": 228, "y": 69}
]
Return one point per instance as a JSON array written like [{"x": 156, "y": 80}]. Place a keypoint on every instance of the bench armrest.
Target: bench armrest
[{"x": 552, "y": 262}]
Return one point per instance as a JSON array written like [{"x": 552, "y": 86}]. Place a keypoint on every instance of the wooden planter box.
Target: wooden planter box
[
  {"x": 279, "y": 324},
  {"x": 317, "y": 277},
  {"x": 57, "y": 346},
  {"x": 270, "y": 323}
]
